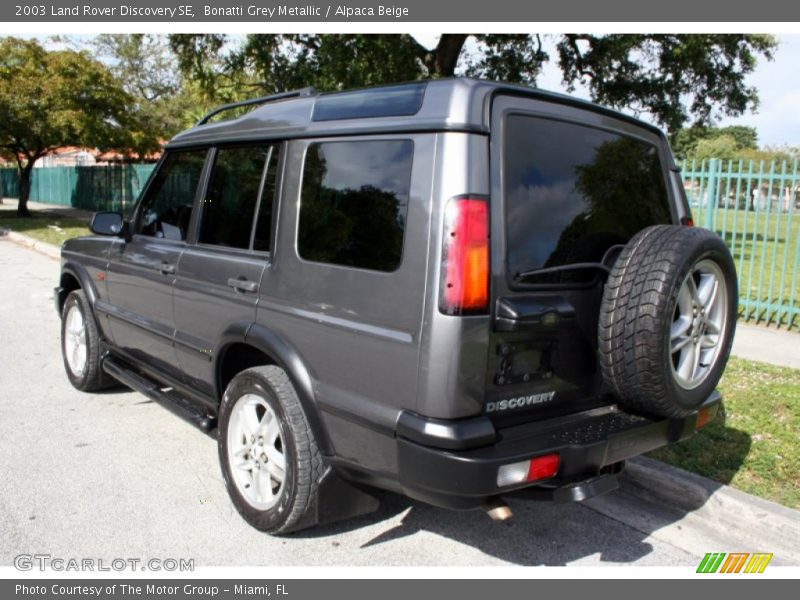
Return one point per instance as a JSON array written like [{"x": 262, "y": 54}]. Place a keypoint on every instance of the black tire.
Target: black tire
[
  {"x": 92, "y": 378},
  {"x": 298, "y": 495},
  {"x": 639, "y": 305}
]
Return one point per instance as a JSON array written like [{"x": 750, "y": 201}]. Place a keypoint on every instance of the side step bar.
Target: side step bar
[{"x": 170, "y": 400}]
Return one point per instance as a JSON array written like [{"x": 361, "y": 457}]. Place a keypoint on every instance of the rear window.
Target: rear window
[
  {"x": 354, "y": 203},
  {"x": 572, "y": 192}
]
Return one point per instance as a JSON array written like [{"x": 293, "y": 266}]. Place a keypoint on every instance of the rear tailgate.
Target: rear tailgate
[{"x": 570, "y": 186}]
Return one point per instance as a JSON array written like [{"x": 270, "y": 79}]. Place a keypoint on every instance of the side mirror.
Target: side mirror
[{"x": 107, "y": 223}]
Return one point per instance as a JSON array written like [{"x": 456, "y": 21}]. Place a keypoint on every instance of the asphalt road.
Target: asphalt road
[{"x": 115, "y": 475}]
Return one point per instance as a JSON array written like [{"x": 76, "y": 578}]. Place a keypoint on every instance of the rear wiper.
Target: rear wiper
[
  {"x": 562, "y": 268},
  {"x": 605, "y": 264}
]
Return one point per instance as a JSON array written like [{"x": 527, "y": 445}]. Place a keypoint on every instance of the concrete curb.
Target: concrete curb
[
  {"x": 693, "y": 512},
  {"x": 48, "y": 250}
]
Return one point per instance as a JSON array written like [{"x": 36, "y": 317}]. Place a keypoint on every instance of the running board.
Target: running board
[{"x": 170, "y": 400}]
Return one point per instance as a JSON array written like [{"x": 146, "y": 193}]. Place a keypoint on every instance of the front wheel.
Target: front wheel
[
  {"x": 268, "y": 454},
  {"x": 80, "y": 345}
]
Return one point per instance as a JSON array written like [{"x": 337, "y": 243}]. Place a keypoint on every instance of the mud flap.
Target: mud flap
[{"x": 338, "y": 500}]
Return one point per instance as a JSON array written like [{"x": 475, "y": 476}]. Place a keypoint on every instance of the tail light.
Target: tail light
[
  {"x": 464, "y": 287},
  {"x": 687, "y": 221},
  {"x": 528, "y": 471}
]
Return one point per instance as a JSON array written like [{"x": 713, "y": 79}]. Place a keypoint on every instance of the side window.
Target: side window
[
  {"x": 167, "y": 209},
  {"x": 242, "y": 183},
  {"x": 354, "y": 202}
]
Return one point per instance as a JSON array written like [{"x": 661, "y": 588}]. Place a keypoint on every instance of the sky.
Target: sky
[{"x": 777, "y": 119}]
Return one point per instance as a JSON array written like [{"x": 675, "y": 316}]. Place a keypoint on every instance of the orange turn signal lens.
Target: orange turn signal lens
[{"x": 704, "y": 417}]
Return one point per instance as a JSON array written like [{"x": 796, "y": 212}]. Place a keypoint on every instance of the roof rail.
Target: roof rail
[{"x": 307, "y": 91}]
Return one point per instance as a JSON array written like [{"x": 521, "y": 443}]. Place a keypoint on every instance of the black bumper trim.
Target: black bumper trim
[
  {"x": 456, "y": 478},
  {"x": 448, "y": 435}
]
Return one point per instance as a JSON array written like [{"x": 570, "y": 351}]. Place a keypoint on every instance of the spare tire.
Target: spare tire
[{"x": 667, "y": 319}]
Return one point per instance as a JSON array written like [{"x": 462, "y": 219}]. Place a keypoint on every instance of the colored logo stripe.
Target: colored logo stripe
[
  {"x": 713, "y": 562},
  {"x": 734, "y": 562},
  {"x": 758, "y": 563}
]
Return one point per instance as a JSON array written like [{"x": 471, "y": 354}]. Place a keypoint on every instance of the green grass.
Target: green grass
[
  {"x": 765, "y": 250},
  {"x": 753, "y": 445},
  {"x": 45, "y": 228}
]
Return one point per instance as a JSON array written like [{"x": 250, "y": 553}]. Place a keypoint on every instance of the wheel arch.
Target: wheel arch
[
  {"x": 242, "y": 339},
  {"x": 75, "y": 277}
]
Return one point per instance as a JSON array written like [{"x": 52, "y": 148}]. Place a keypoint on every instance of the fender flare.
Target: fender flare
[
  {"x": 79, "y": 272},
  {"x": 284, "y": 355}
]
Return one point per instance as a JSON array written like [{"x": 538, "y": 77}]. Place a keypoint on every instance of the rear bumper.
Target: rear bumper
[{"x": 441, "y": 471}]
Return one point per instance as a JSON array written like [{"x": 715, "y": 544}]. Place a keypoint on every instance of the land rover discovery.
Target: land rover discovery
[{"x": 456, "y": 290}]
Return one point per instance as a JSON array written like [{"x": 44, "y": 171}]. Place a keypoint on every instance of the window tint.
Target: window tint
[
  {"x": 241, "y": 177},
  {"x": 263, "y": 235},
  {"x": 572, "y": 192},
  {"x": 399, "y": 100},
  {"x": 354, "y": 203},
  {"x": 167, "y": 209}
]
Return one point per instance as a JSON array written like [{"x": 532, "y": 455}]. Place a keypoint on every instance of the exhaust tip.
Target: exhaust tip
[{"x": 497, "y": 509}]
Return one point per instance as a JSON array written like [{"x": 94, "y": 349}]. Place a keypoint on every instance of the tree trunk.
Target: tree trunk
[
  {"x": 446, "y": 55},
  {"x": 24, "y": 188}
]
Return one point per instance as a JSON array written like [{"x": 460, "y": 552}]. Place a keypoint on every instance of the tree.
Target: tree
[
  {"x": 685, "y": 142},
  {"x": 53, "y": 99},
  {"x": 148, "y": 70},
  {"x": 723, "y": 147},
  {"x": 676, "y": 78}
]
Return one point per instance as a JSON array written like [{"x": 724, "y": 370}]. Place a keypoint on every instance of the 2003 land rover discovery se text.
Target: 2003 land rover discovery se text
[{"x": 457, "y": 290}]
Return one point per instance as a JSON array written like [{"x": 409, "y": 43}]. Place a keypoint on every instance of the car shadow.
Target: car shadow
[{"x": 551, "y": 534}]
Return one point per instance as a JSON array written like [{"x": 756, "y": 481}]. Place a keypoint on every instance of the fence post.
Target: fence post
[{"x": 711, "y": 192}]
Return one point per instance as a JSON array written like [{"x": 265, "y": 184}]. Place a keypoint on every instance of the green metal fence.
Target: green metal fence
[
  {"x": 93, "y": 188},
  {"x": 755, "y": 208}
]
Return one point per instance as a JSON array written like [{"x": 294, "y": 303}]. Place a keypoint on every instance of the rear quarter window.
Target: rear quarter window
[
  {"x": 573, "y": 191},
  {"x": 354, "y": 202}
]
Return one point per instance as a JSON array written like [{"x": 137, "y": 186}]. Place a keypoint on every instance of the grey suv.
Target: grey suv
[{"x": 456, "y": 290}]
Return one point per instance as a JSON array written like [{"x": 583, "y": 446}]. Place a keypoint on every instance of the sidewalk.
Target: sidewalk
[{"x": 775, "y": 346}]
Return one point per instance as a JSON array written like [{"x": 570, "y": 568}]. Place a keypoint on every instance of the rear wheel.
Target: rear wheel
[
  {"x": 269, "y": 457},
  {"x": 667, "y": 319}
]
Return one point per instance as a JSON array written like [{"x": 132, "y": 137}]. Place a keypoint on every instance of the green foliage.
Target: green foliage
[
  {"x": 199, "y": 57},
  {"x": 60, "y": 98},
  {"x": 779, "y": 154},
  {"x": 50, "y": 229},
  {"x": 331, "y": 62},
  {"x": 735, "y": 142},
  {"x": 753, "y": 444},
  {"x": 148, "y": 70},
  {"x": 675, "y": 78},
  {"x": 685, "y": 141},
  {"x": 723, "y": 147},
  {"x": 512, "y": 58}
]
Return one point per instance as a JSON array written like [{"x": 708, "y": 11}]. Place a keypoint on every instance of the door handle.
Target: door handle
[
  {"x": 166, "y": 268},
  {"x": 242, "y": 285}
]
